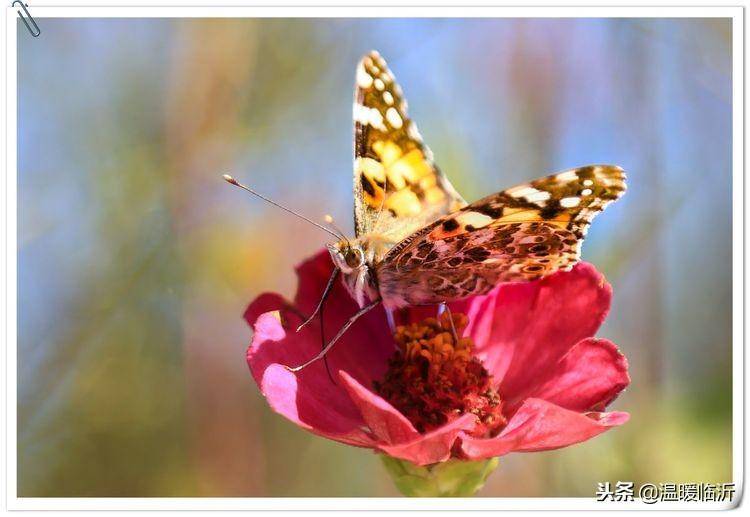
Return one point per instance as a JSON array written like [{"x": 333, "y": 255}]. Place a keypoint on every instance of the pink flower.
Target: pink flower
[{"x": 543, "y": 380}]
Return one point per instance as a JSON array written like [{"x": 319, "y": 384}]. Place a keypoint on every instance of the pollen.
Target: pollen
[{"x": 434, "y": 378}]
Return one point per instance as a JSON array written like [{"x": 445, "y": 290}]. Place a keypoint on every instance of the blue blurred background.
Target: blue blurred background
[{"x": 136, "y": 261}]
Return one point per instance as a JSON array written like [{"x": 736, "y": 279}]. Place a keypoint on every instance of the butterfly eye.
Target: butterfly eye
[{"x": 354, "y": 257}]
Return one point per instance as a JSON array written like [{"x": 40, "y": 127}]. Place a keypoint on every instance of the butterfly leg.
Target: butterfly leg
[
  {"x": 443, "y": 307},
  {"x": 319, "y": 311},
  {"x": 321, "y": 306},
  {"x": 326, "y": 292},
  {"x": 340, "y": 333}
]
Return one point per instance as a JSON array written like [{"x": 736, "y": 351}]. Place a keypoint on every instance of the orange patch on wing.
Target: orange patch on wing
[
  {"x": 441, "y": 232},
  {"x": 518, "y": 215},
  {"x": 523, "y": 215},
  {"x": 371, "y": 171}
]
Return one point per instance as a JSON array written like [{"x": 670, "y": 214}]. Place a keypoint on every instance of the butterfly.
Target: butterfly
[{"x": 418, "y": 242}]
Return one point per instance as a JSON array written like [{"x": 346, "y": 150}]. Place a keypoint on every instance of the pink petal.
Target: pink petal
[
  {"x": 397, "y": 436},
  {"x": 588, "y": 377},
  {"x": 520, "y": 329},
  {"x": 386, "y": 422},
  {"x": 539, "y": 425},
  {"x": 268, "y": 302},
  {"x": 309, "y": 398},
  {"x": 432, "y": 447}
]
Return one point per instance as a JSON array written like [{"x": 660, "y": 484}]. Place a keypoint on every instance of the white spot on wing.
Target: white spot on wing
[
  {"x": 587, "y": 192},
  {"x": 570, "y": 202},
  {"x": 376, "y": 120},
  {"x": 388, "y": 98},
  {"x": 413, "y": 132},
  {"x": 368, "y": 116},
  {"x": 394, "y": 119},
  {"x": 538, "y": 197},
  {"x": 566, "y": 176},
  {"x": 379, "y": 84},
  {"x": 523, "y": 191},
  {"x": 361, "y": 114},
  {"x": 364, "y": 80}
]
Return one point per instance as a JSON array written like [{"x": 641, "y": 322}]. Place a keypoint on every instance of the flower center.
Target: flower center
[{"x": 432, "y": 379}]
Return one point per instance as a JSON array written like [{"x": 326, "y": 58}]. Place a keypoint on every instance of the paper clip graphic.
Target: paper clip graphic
[{"x": 27, "y": 18}]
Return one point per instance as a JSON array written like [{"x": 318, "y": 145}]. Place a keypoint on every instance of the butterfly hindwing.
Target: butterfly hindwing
[
  {"x": 397, "y": 187},
  {"x": 519, "y": 234}
]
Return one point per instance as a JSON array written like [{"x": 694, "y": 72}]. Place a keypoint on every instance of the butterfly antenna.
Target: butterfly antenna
[
  {"x": 329, "y": 220},
  {"x": 229, "y": 179}
]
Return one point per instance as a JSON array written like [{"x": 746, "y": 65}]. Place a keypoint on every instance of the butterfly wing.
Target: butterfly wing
[
  {"x": 397, "y": 187},
  {"x": 519, "y": 234}
]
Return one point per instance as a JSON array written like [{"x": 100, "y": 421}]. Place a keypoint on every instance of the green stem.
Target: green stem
[{"x": 453, "y": 478}]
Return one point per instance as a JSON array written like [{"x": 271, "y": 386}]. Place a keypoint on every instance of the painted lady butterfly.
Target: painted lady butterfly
[{"x": 418, "y": 242}]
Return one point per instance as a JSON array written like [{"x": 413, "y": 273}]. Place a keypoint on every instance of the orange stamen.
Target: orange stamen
[{"x": 432, "y": 379}]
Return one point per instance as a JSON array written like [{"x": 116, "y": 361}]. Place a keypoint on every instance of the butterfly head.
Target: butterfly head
[
  {"x": 351, "y": 258},
  {"x": 348, "y": 256}
]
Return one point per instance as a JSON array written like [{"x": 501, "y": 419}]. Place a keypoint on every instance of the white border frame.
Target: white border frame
[{"x": 378, "y": 504}]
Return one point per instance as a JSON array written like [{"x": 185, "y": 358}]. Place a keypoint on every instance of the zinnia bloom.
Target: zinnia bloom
[{"x": 525, "y": 375}]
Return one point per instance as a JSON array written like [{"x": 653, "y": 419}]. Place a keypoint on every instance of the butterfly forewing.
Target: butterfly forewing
[
  {"x": 397, "y": 187},
  {"x": 519, "y": 234}
]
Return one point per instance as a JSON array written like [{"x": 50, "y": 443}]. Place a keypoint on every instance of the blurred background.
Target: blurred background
[{"x": 136, "y": 261}]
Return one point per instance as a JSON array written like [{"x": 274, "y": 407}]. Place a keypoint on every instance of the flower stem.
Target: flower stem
[{"x": 453, "y": 478}]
